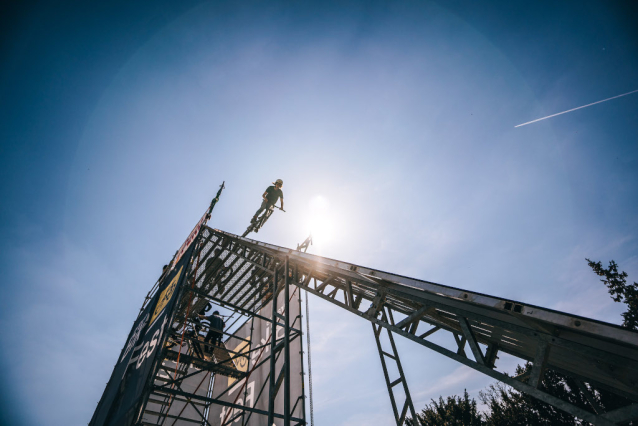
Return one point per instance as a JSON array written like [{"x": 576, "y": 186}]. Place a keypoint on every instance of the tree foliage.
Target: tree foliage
[
  {"x": 455, "y": 411},
  {"x": 620, "y": 291},
  {"x": 509, "y": 407},
  {"x": 506, "y": 406}
]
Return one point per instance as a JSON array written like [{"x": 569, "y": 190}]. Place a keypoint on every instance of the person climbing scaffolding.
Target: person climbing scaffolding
[{"x": 215, "y": 331}]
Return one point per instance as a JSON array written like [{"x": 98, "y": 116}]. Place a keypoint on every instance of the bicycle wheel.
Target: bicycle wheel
[{"x": 248, "y": 230}]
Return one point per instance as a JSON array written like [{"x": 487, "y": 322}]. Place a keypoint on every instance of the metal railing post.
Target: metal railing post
[
  {"x": 286, "y": 346},
  {"x": 273, "y": 344}
]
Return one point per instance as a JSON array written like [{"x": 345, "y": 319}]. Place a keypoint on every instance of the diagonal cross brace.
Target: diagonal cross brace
[
  {"x": 415, "y": 316},
  {"x": 540, "y": 360},
  {"x": 471, "y": 339}
]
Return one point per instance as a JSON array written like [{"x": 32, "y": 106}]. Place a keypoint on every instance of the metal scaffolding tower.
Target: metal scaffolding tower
[{"x": 247, "y": 378}]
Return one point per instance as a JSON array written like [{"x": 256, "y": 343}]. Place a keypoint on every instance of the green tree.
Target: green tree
[
  {"x": 509, "y": 407},
  {"x": 505, "y": 406},
  {"x": 620, "y": 291},
  {"x": 455, "y": 411}
]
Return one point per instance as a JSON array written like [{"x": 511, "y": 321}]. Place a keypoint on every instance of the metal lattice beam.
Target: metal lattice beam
[{"x": 591, "y": 351}]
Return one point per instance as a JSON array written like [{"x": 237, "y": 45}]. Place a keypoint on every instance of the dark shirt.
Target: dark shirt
[
  {"x": 216, "y": 323},
  {"x": 273, "y": 194}
]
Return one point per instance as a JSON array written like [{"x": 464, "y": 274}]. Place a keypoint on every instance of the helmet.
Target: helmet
[{"x": 279, "y": 181}]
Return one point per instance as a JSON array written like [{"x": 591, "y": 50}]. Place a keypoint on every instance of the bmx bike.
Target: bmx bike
[{"x": 261, "y": 220}]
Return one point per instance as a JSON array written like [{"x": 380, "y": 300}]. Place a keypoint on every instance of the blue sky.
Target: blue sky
[{"x": 391, "y": 124}]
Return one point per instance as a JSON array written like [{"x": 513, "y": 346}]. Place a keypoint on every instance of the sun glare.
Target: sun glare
[{"x": 320, "y": 220}]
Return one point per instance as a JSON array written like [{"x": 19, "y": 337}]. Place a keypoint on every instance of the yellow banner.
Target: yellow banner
[
  {"x": 166, "y": 295},
  {"x": 241, "y": 362}
]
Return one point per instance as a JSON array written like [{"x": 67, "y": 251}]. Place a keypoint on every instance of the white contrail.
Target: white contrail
[{"x": 574, "y": 109}]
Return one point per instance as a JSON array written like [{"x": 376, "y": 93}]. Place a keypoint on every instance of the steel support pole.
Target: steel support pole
[
  {"x": 250, "y": 347},
  {"x": 286, "y": 346},
  {"x": 303, "y": 374},
  {"x": 273, "y": 340}
]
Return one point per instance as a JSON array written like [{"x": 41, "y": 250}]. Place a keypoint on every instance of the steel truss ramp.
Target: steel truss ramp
[{"x": 589, "y": 351}]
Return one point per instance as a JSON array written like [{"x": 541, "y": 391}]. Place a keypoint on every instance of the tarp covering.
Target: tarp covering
[{"x": 123, "y": 392}]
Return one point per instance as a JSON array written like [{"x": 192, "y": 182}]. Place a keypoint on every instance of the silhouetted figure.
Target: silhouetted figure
[
  {"x": 212, "y": 268},
  {"x": 215, "y": 331},
  {"x": 270, "y": 197}
]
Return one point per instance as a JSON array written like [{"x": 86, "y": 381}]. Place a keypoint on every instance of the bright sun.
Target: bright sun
[{"x": 320, "y": 220}]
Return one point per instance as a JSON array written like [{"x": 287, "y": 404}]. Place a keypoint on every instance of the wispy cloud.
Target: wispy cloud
[{"x": 448, "y": 383}]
